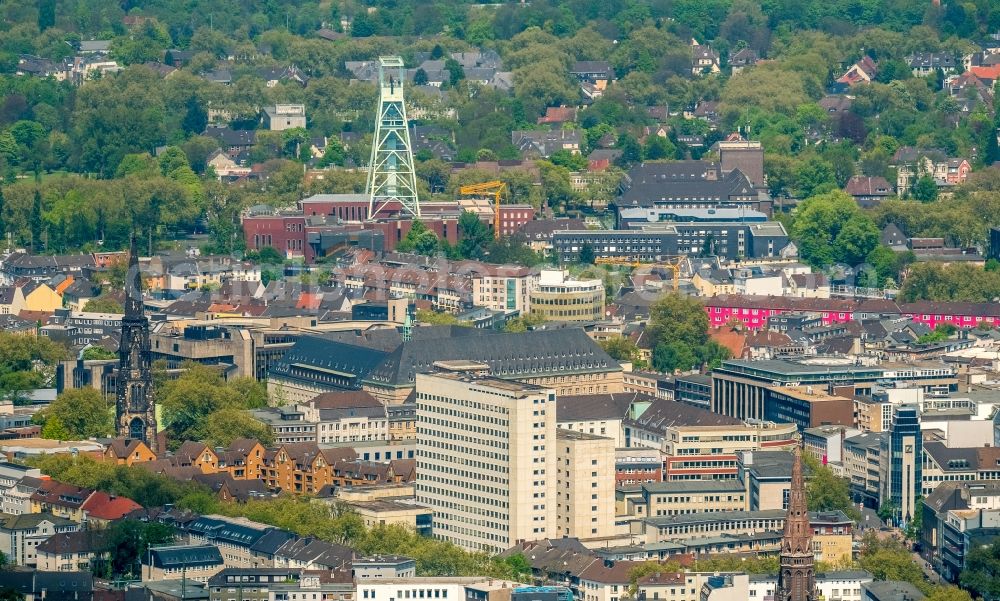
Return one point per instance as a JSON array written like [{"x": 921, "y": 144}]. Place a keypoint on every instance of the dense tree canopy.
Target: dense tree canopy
[
  {"x": 77, "y": 414},
  {"x": 200, "y": 405},
  {"x": 678, "y": 330}
]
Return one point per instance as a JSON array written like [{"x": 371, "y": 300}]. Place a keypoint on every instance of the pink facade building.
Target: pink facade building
[{"x": 754, "y": 311}]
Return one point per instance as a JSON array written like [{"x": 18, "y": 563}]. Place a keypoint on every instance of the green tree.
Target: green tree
[
  {"x": 27, "y": 362},
  {"x": 224, "y": 426},
  {"x": 195, "y": 117},
  {"x": 420, "y": 77},
  {"x": 419, "y": 240},
  {"x": 889, "y": 559},
  {"x": 678, "y": 330},
  {"x": 97, "y": 353},
  {"x": 831, "y": 228},
  {"x": 814, "y": 176},
  {"x": 574, "y": 161},
  {"x": 81, "y": 412},
  {"x": 475, "y": 236},
  {"x": 826, "y": 491},
  {"x": 658, "y": 148},
  {"x": 362, "y": 26},
  {"x": 54, "y": 429},
  {"x": 981, "y": 575},
  {"x": 948, "y": 593},
  {"x": 620, "y": 348},
  {"x": 129, "y": 541},
  {"x": 36, "y": 222},
  {"x": 586, "y": 254},
  {"x": 631, "y": 150},
  {"x": 266, "y": 255},
  {"x": 925, "y": 189},
  {"x": 437, "y": 318},
  {"x": 104, "y": 304},
  {"x": 190, "y": 400}
]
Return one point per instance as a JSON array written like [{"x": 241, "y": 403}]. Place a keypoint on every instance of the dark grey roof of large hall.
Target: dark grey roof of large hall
[
  {"x": 682, "y": 180},
  {"x": 608, "y": 405},
  {"x": 509, "y": 355},
  {"x": 663, "y": 414},
  {"x": 382, "y": 357},
  {"x": 326, "y": 353}
]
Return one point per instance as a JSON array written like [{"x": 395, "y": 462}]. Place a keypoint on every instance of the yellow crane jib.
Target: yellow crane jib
[
  {"x": 673, "y": 264},
  {"x": 497, "y": 190}
]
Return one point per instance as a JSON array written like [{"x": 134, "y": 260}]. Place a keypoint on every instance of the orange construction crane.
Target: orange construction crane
[
  {"x": 497, "y": 190},
  {"x": 672, "y": 263}
]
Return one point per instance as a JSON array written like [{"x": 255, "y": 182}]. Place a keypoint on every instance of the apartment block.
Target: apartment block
[
  {"x": 486, "y": 453},
  {"x": 585, "y": 478},
  {"x": 504, "y": 288}
]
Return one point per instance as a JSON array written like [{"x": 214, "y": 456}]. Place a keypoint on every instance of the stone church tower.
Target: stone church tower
[
  {"x": 797, "y": 574},
  {"x": 135, "y": 409}
]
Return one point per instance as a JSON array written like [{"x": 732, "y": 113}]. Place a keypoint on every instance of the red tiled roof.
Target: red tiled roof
[{"x": 103, "y": 506}]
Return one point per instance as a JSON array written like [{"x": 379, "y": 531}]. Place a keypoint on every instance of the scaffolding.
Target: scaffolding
[{"x": 392, "y": 181}]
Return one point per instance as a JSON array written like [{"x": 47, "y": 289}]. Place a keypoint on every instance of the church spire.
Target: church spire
[
  {"x": 135, "y": 407},
  {"x": 133, "y": 285},
  {"x": 797, "y": 576}
]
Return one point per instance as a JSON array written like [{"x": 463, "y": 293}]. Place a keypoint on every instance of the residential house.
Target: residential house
[
  {"x": 20, "y": 535},
  {"x": 34, "y": 66},
  {"x": 836, "y": 104},
  {"x": 124, "y": 451},
  {"x": 438, "y": 141},
  {"x": 742, "y": 58},
  {"x": 860, "y": 72},
  {"x": 79, "y": 292},
  {"x": 11, "y": 300},
  {"x": 274, "y": 75},
  {"x": 227, "y": 168},
  {"x": 102, "y": 508},
  {"x": 70, "y": 551},
  {"x": 40, "y": 297},
  {"x": 600, "y": 414},
  {"x": 61, "y": 500},
  {"x": 913, "y": 163},
  {"x": 244, "y": 543},
  {"x": 313, "y": 554},
  {"x": 868, "y": 191},
  {"x": 197, "y": 562},
  {"x": 704, "y": 60},
  {"x": 557, "y": 115},
  {"x": 15, "y": 494},
  {"x": 243, "y": 459},
  {"x": 297, "y": 468},
  {"x": 601, "y": 159},
  {"x": 926, "y": 63},
  {"x": 348, "y": 416},
  {"x": 233, "y": 141},
  {"x": 197, "y": 455},
  {"x": 606, "y": 581},
  {"x": 592, "y": 71},
  {"x": 41, "y": 268},
  {"x": 94, "y": 46},
  {"x": 537, "y": 144},
  {"x": 538, "y": 232},
  {"x": 228, "y": 489}
]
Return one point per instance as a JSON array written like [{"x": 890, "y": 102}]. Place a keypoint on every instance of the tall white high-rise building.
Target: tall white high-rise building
[{"x": 486, "y": 459}]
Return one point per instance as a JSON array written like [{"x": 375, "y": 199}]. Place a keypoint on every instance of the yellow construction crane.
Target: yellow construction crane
[
  {"x": 672, "y": 263},
  {"x": 497, "y": 190}
]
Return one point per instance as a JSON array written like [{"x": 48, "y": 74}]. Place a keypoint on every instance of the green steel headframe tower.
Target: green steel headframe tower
[{"x": 391, "y": 177}]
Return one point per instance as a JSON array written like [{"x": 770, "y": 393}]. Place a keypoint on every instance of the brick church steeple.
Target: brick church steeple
[
  {"x": 135, "y": 409},
  {"x": 797, "y": 575}
]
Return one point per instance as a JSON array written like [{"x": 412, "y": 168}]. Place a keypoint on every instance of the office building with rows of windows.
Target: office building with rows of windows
[{"x": 486, "y": 458}]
